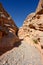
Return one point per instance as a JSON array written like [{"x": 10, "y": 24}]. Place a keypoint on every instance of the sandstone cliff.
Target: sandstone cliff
[
  {"x": 33, "y": 27},
  {"x": 8, "y": 31}
]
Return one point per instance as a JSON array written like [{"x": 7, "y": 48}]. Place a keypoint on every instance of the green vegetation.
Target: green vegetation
[{"x": 35, "y": 41}]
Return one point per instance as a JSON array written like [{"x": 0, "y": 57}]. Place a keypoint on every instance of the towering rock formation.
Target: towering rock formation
[
  {"x": 33, "y": 26},
  {"x": 32, "y": 29},
  {"x": 5, "y": 19},
  {"x": 8, "y": 31}
]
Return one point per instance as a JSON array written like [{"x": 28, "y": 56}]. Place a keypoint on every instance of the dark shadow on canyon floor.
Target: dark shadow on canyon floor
[{"x": 4, "y": 50}]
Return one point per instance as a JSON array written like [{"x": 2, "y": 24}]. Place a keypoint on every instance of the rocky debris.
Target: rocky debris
[{"x": 8, "y": 31}]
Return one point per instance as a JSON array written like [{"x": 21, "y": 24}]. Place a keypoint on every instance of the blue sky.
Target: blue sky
[{"x": 19, "y": 9}]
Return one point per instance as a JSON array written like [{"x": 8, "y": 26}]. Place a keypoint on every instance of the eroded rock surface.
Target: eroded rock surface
[
  {"x": 32, "y": 29},
  {"x": 25, "y": 54},
  {"x": 8, "y": 31}
]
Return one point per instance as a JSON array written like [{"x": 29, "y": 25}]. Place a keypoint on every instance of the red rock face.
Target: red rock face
[
  {"x": 5, "y": 18},
  {"x": 8, "y": 31}
]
